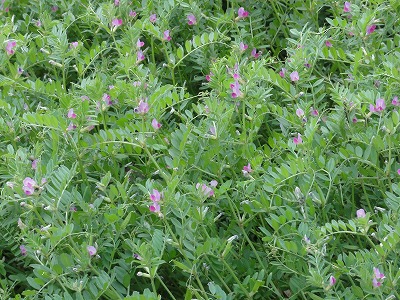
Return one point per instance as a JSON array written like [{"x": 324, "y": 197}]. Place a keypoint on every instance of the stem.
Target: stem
[{"x": 165, "y": 287}]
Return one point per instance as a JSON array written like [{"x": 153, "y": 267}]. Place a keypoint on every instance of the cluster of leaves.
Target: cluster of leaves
[{"x": 199, "y": 149}]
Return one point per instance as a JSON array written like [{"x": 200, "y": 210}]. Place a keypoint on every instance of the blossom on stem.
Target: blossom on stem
[
  {"x": 153, "y": 18},
  {"x": 235, "y": 87},
  {"x": 332, "y": 280},
  {"x": 139, "y": 43},
  {"x": 328, "y": 43},
  {"x": 191, "y": 19},
  {"x": 139, "y": 56},
  {"x": 28, "y": 186},
  {"x": 378, "y": 278},
  {"x": 107, "y": 99},
  {"x": 74, "y": 44},
  {"x": 91, "y": 250},
  {"x": 71, "y": 114},
  {"x": 23, "y": 250},
  {"x": 360, "y": 213},
  {"x": 243, "y": 46},
  {"x": 155, "y": 124},
  {"x": 247, "y": 169},
  {"x": 282, "y": 72},
  {"x": 379, "y": 105},
  {"x": 132, "y": 13},
  {"x": 294, "y": 76},
  {"x": 371, "y": 29},
  {"x": 255, "y": 54},
  {"x": 208, "y": 76},
  {"x": 395, "y": 101},
  {"x": 166, "y": 36},
  {"x": 34, "y": 164},
  {"x": 206, "y": 190},
  {"x": 142, "y": 108},
  {"x": 346, "y": 7},
  {"x": 242, "y": 13},
  {"x": 297, "y": 140},
  {"x": 299, "y": 112},
  {"x": 115, "y": 24},
  {"x": 10, "y": 47}
]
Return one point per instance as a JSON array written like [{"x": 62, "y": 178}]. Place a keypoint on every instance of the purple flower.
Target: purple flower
[
  {"x": 243, "y": 46},
  {"x": 10, "y": 47},
  {"x": 379, "y": 105},
  {"x": 54, "y": 8},
  {"x": 235, "y": 87},
  {"x": 328, "y": 44},
  {"x": 155, "y": 198},
  {"x": 74, "y": 44},
  {"x": 360, "y": 213},
  {"x": 153, "y": 18},
  {"x": 132, "y": 14},
  {"x": 395, "y": 101},
  {"x": 255, "y": 54},
  {"x": 213, "y": 183},
  {"x": 107, "y": 99},
  {"x": 155, "y": 124},
  {"x": 297, "y": 140},
  {"x": 139, "y": 56},
  {"x": 91, "y": 250},
  {"x": 38, "y": 23},
  {"x": 398, "y": 171},
  {"x": 115, "y": 24},
  {"x": 71, "y": 126},
  {"x": 191, "y": 19},
  {"x": 142, "y": 108},
  {"x": 346, "y": 7},
  {"x": 294, "y": 76},
  {"x": 116, "y": 2},
  {"x": 332, "y": 280},
  {"x": 139, "y": 43},
  {"x": 242, "y": 13},
  {"x": 71, "y": 114},
  {"x": 314, "y": 112},
  {"x": 23, "y": 250},
  {"x": 247, "y": 169},
  {"x": 213, "y": 131},
  {"x": 34, "y": 164},
  {"x": 371, "y": 29},
  {"x": 299, "y": 112},
  {"x": 206, "y": 191},
  {"x": 166, "y": 37},
  {"x": 282, "y": 72},
  {"x": 28, "y": 186},
  {"x": 208, "y": 76},
  {"x": 378, "y": 278}
]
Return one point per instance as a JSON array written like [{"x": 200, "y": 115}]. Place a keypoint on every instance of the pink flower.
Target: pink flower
[
  {"x": 213, "y": 183},
  {"x": 243, "y": 46},
  {"x": 332, "y": 280},
  {"x": 10, "y": 47},
  {"x": 235, "y": 87},
  {"x": 116, "y": 2},
  {"x": 282, "y": 72},
  {"x": 23, "y": 250},
  {"x": 139, "y": 43},
  {"x": 191, "y": 19},
  {"x": 346, "y": 7},
  {"x": 360, "y": 213},
  {"x": 132, "y": 14},
  {"x": 208, "y": 76},
  {"x": 378, "y": 278},
  {"x": 155, "y": 198},
  {"x": 155, "y": 124},
  {"x": 142, "y": 108},
  {"x": 74, "y": 45},
  {"x": 166, "y": 37},
  {"x": 297, "y": 140},
  {"x": 34, "y": 164},
  {"x": 314, "y": 112},
  {"x": 71, "y": 114},
  {"x": 328, "y": 44},
  {"x": 242, "y": 13},
  {"x": 38, "y": 23},
  {"x": 139, "y": 56},
  {"x": 213, "y": 131},
  {"x": 379, "y": 105},
  {"x": 395, "y": 101},
  {"x": 206, "y": 191},
  {"x": 153, "y": 18},
  {"x": 71, "y": 126},
  {"x": 115, "y": 24},
  {"x": 299, "y": 112},
  {"x": 294, "y": 76},
  {"x": 371, "y": 29},
  {"x": 247, "y": 169},
  {"x": 54, "y": 8},
  {"x": 29, "y": 186},
  {"x": 398, "y": 171},
  {"x": 255, "y": 54},
  {"x": 107, "y": 99},
  {"x": 91, "y": 250}
]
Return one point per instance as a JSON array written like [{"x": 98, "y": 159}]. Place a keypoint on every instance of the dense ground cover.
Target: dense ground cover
[{"x": 199, "y": 149}]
